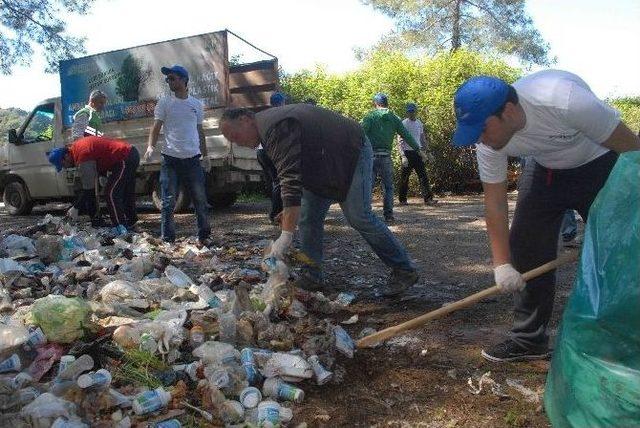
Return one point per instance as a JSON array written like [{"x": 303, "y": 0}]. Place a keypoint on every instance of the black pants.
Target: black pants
[
  {"x": 543, "y": 197},
  {"x": 120, "y": 190},
  {"x": 271, "y": 176},
  {"x": 415, "y": 163}
]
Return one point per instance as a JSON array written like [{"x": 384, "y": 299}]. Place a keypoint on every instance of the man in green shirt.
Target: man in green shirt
[
  {"x": 87, "y": 121},
  {"x": 381, "y": 126}
]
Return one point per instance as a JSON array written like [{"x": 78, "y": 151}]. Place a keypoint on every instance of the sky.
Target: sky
[{"x": 596, "y": 39}]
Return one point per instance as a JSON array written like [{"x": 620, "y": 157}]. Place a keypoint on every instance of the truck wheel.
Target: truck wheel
[
  {"x": 16, "y": 199},
  {"x": 222, "y": 200},
  {"x": 182, "y": 200}
]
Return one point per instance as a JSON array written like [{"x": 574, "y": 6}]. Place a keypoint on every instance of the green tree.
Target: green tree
[
  {"x": 131, "y": 77},
  {"x": 25, "y": 23},
  {"x": 480, "y": 25},
  {"x": 429, "y": 82},
  {"x": 629, "y": 108},
  {"x": 10, "y": 118}
]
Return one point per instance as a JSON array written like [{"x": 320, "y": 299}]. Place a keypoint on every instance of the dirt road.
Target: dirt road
[{"x": 419, "y": 379}]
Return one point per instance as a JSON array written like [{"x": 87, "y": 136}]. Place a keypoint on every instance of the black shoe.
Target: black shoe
[
  {"x": 509, "y": 351},
  {"x": 403, "y": 203},
  {"x": 390, "y": 219},
  {"x": 399, "y": 281}
]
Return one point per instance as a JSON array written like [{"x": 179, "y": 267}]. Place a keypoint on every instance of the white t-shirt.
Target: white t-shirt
[
  {"x": 566, "y": 123},
  {"x": 416, "y": 129},
  {"x": 180, "y": 119}
]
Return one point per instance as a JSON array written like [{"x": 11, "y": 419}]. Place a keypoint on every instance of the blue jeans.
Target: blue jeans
[
  {"x": 357, "y": 210},
  {"x": 383, "y": 167},
  {"x": 190, "y": 174}
]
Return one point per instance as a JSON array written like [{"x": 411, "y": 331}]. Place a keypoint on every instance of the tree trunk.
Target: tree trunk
[{"x": 455, "y": 32}]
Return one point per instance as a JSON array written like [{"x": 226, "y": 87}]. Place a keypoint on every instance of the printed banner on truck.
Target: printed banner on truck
[{"x": 132, "y": 79}]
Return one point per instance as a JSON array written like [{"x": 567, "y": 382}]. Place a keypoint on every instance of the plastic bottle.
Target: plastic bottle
[
  {"x": 250, "y": 367},
  {"x": 344, "y": 343},
  {"x": 219, "y": 378},
  {"x": 228, "y": 327},
  {"x": 68, "y": 423},
  {"x": 322, "y": 375},
  {"x": 65, "y": 361},
  {"x": 206, "y": 294},
  {"x": 19, "y": 398},
  {"x": 250, "y": 397},
  {"x": 276, "y": 388},
  {"x": 98, "y": 379},
  {"x": 171, "y": 423},
  {"x": 150, "y": 401},
  {"x": 74, "y": 369},
  {"x": 11, "y": 364},
  {"x": 177, "y": 277},
  {"x": 196, "y": 336},
  {"x": 289, "y": 367},
  {"x": 268, "y": 414},
  {"x": 36, "y": 338},
  {"x": 190, "y": 369},
  {"x": 21, "y": 380}
]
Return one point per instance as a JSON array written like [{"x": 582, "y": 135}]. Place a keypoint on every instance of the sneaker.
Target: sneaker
[
  {"x": 509, "y": 351},
  {"x": 308, "y": 283},
  {"x": 399, "y": 281},
  {"x": 207, "y": 242}
]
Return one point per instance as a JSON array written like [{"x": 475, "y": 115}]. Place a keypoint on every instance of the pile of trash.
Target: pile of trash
[{"x": 98, "y": 328}]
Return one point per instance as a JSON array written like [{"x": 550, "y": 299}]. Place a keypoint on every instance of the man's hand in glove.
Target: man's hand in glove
[
  {"x": 281, "y": 245},
  {"x": 508, "y": 279}
]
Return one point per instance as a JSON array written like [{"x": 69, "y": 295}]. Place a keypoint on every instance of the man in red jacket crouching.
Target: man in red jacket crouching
[{"x": 98, "y": 156}]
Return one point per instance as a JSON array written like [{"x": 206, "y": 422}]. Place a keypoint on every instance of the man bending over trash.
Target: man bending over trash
[
  {"x": 321, "y": 157},
  {"x": 573, "y": 139},
  {"x": 93, "y": 156}
]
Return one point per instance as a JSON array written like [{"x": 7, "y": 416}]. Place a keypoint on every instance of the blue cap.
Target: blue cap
[
  {"x": 474, "y": 101},
  {"x": 277, "y": 99},
  {"x": 380, "y": 99},
  {"x": 411, "y": 107},
  {"x": 56, "y": 156},
  {"x": 176, "y": 69}
]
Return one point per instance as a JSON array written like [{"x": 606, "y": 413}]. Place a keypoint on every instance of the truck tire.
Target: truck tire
[
  {"x": 222, "y": 200},
  {"x": 17, "y": 200},
  {"x": 182, "y": 200}
]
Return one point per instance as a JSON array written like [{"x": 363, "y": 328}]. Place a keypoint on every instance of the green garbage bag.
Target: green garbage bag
[
  {"x": 594, "y": 380},
  {"x": 62, "y": 319}
]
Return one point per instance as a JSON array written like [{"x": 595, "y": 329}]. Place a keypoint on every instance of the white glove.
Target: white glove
[
  {"x": 281, "y": 245},
  {"x": 405, "y": 161},
  {"x": 147, "y": 155},
  {"x": 206, "y": 164},
  {"x": 73, "y": 213},
  {"x": 508, "y": 279}
]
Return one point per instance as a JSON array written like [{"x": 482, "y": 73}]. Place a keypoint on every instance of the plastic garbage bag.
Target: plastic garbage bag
[
  {"x": 62, "y": 319},
  {"x": 10, "y": 265},
  {"x": 45, "y": 408},
  {"x": 594, "y": 379},
  {"x": 16, "y": 245}
]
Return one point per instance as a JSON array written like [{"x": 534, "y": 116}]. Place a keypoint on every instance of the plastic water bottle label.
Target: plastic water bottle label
[
  {"x": 36, "y": 337},
  {"x": 171, "y": 423},
  {"x": 287, "y": 392},
  {"x": 11, "y": 364},
  {"x": 214, "y": 302},
  {"x": 249, "y": 365},
  {"x": 149, "y": 401},
  {"x": 269, "y": 414}
]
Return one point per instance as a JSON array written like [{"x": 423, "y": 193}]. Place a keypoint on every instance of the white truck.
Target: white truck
[{"x": 132, "y": 80}]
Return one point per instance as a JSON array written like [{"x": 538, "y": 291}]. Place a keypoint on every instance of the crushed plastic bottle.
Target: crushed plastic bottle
[
  {"x": 278, "y": 389},
  {"x": 322, "y": 374},
  {"x": 177, "y": 277},
  {"x": 150, "y": 401},
  {"x": 97, "y": 379},
  {"x": 292, "y": 368}
]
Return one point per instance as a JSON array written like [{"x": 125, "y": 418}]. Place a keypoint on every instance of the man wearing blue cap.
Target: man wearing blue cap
[
  {"x": 414, "y": 160},
  {"x": 573, "y": 140},
  {"x": 381, "y": 126},
  {"x": 181, "y": 115}
]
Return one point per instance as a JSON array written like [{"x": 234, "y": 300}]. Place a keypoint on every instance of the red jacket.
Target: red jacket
[{"x": 104, "y": 151}]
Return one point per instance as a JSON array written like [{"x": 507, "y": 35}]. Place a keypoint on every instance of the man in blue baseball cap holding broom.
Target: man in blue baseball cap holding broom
[{"x": 573, "y": 139}]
